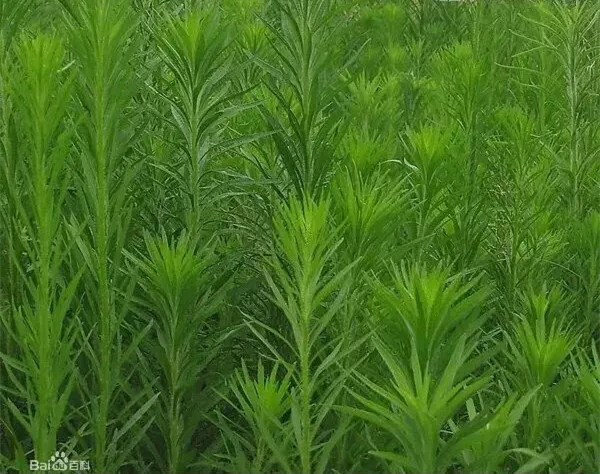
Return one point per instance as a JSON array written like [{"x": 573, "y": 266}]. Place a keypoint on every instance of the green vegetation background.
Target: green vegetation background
[{"x": 300, "y": 235}]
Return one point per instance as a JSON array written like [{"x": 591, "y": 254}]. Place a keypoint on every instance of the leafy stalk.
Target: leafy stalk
[
  {"x": 44, "y": 320},
  {"x": 100, "y": 33}
]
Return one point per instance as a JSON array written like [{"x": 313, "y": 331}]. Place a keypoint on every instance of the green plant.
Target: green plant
[
  {"x": 100, "y": 36},
  {"x": 181, "y": 299},
  {"x": 431, "y": 379},
  {"x": 13, "y": 15},
  {"x": 309, "y": 291},
  {"x": 43, "y": 326},
  {"x": 265, "y": 403},
  {"x": 301, "y": 79},
  {"x": 424, "y": 161},
  {"x": 198, "y": 90},
  {"x": 299, "y": 235},
  {"x": 584, "y": 429},
  {"x": 570, "y": 34},
  {"x": 540, "y": 343}
]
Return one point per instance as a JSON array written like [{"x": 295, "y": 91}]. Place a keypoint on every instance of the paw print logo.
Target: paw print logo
[{"x": 60, "y": 461}]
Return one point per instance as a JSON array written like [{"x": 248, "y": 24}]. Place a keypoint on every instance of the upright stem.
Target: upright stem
[
  {"x": 101, "y": 241},
  {"x": 45, "y": 442},
  {"x": 572, "y": 94},
  {"x": 305, "y": 447},
  {"x": 174, "y": 398}
]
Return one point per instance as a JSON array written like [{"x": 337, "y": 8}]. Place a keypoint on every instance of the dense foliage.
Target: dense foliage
[{"x": 300, "y": 235}]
